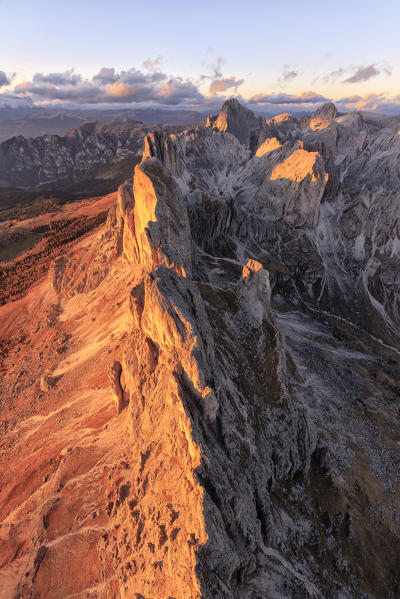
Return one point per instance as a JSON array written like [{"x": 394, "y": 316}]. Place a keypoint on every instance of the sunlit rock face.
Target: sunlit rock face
[
  {"x": 295, "y": 186},
  {"x": 269, "y": 145},
  {"x": 157, "y": 229},
  {"x": 240, "y": 310}
]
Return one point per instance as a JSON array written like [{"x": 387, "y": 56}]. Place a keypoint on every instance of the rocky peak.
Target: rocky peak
[
  {"x": 158, "y": 144},
  {"x": 326, "y": 111},
  {"x": 153, "y": 219},
  {"x": 283, "y": 126},
  {"x": 323, "y": 116},
  {"x": 238, "y": 120}
]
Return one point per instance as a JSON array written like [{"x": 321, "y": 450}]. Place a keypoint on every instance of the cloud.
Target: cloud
[
  {"x": 84, "y": 92},
  {"x": 219, "y": 83},
  {"x": 288, "y": 74},
  {"x": 152, "y": 63},
  {"x": 223, "y": 84},
  {"x": 105, "y": 75},
  {"x": 171, "y": 92},
  {"x": 363, "y": 74},
  {"x": 380, "y": 102},
  {"x": 12, "y": 101},
  {"x": 4, "y": 79},
  {"x": 216, "y": 67},
  {"x": 60, "y": 79},
  {"x": 334, "y": 75},
  {"x": 303, "y": 98},
  {"x": 151, "y": 87},
  {"x": 109, "y": 86},
  {"x": 358, "y": 74}
]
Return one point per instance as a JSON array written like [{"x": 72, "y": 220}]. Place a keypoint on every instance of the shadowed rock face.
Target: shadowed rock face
[{"x": 251, "y": 300}]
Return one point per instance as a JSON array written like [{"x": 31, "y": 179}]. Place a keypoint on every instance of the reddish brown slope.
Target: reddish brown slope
[{"x": 94, "y": 504}]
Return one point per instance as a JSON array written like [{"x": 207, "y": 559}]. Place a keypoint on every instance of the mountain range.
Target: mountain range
[
  {"x": 201, "y": 392},
  {"x": 32, "y": 121}
]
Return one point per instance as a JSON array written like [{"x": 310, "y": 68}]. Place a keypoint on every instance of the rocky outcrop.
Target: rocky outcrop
[
  {"x": 114, "y": 374},
  {"x": 47, "y": 382},
  {"x": 166, "y": 148},
  {"x": 284, "y": 127},
  {"x": 154, "y": 230}
]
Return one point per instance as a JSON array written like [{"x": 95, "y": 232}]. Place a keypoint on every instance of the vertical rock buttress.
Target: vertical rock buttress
[
  {"x": 203, "y": 369},
  {"x": 169, "y": 355}
]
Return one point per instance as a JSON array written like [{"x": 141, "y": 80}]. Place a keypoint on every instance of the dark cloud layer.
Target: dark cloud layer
[
  {"x": 105, "y": 75},
  {"x": 150, "y": 86},
  {"x": 109, "y": 86},
  {"x": 58, "y": 79}
]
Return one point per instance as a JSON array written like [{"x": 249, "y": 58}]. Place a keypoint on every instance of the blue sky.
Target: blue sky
[{"x": 339, "y": 51}]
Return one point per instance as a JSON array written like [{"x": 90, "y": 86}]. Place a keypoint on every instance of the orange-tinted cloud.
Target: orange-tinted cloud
[
  {"x": 134, "y": 86},
  {"x": 371, "y": 102},
  {"x": 152, "y": 63},
  {"x": 109, "y": 86},
  {"x": 223, "y": 84}
]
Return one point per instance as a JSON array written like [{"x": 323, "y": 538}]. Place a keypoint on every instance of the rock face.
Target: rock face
[{"x": 251, "y": 298}]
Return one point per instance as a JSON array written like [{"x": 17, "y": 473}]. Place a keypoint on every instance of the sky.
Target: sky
[{"x": 273, "y": 56}]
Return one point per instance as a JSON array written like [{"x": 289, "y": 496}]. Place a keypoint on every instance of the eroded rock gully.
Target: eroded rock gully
[{"x": 249, "y": 300}]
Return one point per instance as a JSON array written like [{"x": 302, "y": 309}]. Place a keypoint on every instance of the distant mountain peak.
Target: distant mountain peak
[
  {"x": 237, "y": 119},
  {"x": 323, "y": 116},
  {"x": 327, "y": 110}
]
